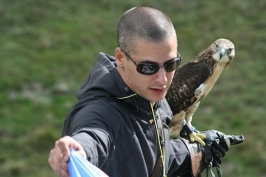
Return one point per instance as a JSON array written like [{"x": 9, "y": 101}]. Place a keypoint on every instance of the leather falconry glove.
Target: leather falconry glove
[{"x": 210, "y": 155}]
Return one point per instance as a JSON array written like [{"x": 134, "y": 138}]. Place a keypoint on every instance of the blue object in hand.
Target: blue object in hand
[{"x": 81, "y": 167}]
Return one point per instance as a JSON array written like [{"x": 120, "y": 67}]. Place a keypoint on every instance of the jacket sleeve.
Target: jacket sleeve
[
  {"x": 179, "y": 160},
  {"x": 96, "y": 128}
]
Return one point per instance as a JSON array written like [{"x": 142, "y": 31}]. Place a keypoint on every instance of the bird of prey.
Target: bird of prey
[{"x": 192, "y": 82}]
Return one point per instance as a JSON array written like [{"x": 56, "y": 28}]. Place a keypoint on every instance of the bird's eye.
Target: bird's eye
[
  {"x": 216, "y": 45},
  {"x": 230, "y": 50}
]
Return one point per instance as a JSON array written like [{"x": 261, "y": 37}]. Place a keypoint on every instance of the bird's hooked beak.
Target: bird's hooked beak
[{"x": 222, "y": 52}]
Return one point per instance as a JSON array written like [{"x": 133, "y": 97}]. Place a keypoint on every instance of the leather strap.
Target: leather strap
[{"x": 157, "y": 168}]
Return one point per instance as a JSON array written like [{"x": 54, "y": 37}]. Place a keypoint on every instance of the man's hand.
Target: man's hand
[
  {"x": 59, "y": 155},
  {"x": 210, "y": 155},
  {"x": 219, "y": 144}
]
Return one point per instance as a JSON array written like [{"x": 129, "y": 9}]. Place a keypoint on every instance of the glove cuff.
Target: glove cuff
[{"x": 195, "y": 156}]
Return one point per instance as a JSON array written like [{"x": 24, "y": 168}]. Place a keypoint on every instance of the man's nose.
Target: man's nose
[{"x": 161, "y": 76}]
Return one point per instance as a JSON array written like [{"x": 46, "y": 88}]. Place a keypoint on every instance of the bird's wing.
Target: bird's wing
[{"x": 187, "y": 79}]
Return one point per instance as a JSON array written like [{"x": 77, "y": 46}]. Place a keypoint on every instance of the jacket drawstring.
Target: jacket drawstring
[
  {"x": 129, "y": 96},
  {"x": 159, "y": 140}
]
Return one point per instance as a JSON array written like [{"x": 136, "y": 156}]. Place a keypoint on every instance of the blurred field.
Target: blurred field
[{"x": 48, "y": 47}]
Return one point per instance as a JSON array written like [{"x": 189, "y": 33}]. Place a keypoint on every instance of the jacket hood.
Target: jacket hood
[{"x": 105, "y": 81}]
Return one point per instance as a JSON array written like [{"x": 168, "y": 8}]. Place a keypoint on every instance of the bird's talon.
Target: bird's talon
[
  {"x": 201, "y": 142},
  {"x": 197, "y": 137},
  {"x": 201, "y": 136}
]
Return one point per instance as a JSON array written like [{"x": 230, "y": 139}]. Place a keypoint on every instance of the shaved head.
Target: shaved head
[{"x": 143, "y": 23}]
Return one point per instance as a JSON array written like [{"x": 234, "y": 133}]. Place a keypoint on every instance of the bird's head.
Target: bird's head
[{"x": 223, "y": 51}]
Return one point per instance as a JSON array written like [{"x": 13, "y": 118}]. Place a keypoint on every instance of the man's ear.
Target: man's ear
[{"x": 119, "y": 57}]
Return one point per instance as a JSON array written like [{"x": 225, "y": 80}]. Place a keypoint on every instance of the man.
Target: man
[{"x": 120, "y": 120}]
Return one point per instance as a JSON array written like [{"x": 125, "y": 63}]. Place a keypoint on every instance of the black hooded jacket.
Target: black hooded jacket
[{"x": 113, "y": 126}]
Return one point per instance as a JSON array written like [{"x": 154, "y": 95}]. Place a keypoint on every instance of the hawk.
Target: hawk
[{"x": 192, "y": 82}]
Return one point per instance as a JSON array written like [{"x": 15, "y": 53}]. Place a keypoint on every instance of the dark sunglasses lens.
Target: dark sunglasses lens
[
  {"x": 169, "y": 67},
  {"x": 146, "y": 68}
]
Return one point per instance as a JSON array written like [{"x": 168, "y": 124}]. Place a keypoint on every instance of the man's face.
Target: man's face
[{"x": 152, "y": 87}]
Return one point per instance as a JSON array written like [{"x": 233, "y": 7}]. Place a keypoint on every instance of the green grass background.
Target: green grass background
[{"x": 47, "y": 48}]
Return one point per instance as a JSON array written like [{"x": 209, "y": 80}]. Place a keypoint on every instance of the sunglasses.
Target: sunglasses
[{"x": 149, "y": 68}]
